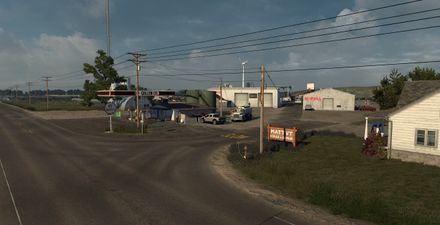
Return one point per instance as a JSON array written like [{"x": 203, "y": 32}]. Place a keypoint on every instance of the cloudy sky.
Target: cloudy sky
[{"x": 54, "y": 38}]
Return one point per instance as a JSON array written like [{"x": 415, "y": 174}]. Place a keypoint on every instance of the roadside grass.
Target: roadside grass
[
  {"x": 330, "y": 171},
  {"x": 127, "y": 129},
  {"x": 54, "y": 105}
]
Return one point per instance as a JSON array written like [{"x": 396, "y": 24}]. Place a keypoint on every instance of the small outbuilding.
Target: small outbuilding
[
  {"x": 414, "y": 126},
  {"x": 329, "y": 99},
  {"x": 161, "y": 112}
]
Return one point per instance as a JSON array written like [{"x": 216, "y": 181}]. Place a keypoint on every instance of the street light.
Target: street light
[{"x": 243, "y": 63}]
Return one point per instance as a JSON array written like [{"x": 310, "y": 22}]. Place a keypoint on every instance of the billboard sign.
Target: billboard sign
[{"x": 281, "y": 134}]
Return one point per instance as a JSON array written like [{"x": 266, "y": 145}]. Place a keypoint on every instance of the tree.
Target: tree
[
  {"x": 423, "y": 74},
  {"x": 103, "y": 73},
  {"x": 387, "y": 95},
  {"x": 89, "y": 92}
]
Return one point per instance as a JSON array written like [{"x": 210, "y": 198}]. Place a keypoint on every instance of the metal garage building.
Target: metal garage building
[
  {"x": 249, "y": 96},
  {"x": 329, "y": 99}
]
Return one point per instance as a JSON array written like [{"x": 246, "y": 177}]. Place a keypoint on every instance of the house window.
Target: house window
[
  {"x": 426, "y": 137},
  {"x": 252, "y": 95},
  {"x": 420, "y": 137}
]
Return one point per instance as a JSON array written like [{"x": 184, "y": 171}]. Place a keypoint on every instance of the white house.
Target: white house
[
  {"x": 249, "y": 96},
  {"x": 413, "y": 129},
  {"x": 329, "y": 99}
]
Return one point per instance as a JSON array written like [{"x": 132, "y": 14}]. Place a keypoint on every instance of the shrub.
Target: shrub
[{"x": 374, "y": 145}]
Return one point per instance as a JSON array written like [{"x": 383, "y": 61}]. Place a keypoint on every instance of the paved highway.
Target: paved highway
[{"x": 57, "y": 176}]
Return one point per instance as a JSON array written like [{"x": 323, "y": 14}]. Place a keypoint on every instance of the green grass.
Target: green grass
[
  {"x": 331, "y": 172},
  {"x": 54, "y": 105}
]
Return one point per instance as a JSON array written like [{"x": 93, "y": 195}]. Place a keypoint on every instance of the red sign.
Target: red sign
[
  {"x": 282, "y": 134},
  {"x": 276, "y": 134},
  {"x": 312, "y": 98}
]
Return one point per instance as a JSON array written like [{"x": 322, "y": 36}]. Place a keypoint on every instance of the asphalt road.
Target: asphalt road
[{"x": 59, "y": 176}]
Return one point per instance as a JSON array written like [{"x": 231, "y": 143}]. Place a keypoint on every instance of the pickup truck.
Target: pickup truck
[{"x": 213, "y": 118}]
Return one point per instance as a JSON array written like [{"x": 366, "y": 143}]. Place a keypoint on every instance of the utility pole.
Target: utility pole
[
  {"x": 29, "y": 91},
  {"x": 262, "y": 110},
  {"x": 47, "y": 79},
  {"x": 221, "y": 97},
  {"x": 16, "y": 93},
  {"x": 107, "y": 16},
  {"x": 136, "y": 60}
]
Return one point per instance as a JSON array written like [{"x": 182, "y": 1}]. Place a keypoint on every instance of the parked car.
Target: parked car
[
  {"x": 213, "y": 118},
  {"x": 309, "y": 108},
  {"x": 367, "y": 108}
]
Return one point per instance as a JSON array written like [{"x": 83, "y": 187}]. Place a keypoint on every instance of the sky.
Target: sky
[{"x": 54, "y": 38}]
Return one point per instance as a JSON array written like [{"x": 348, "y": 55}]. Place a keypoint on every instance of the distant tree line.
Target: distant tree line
[
  {"x": 391, "y": 86},
  {"x": 11, "y": 92}
]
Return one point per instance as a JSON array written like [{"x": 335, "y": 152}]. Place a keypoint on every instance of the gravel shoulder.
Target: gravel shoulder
[
  {"x": 62, "y": 115},
  {"x": 299, "y": 209}
]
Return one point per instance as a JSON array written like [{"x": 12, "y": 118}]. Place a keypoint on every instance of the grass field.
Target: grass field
[
  {"x": 57, "y": 104},
  {"x": 331, "y": 172}
]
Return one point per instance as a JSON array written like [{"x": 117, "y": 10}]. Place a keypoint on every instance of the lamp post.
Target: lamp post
[{"x": 242, "y": 82}]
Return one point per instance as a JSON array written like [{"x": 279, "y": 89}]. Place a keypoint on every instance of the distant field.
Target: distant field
[
  {"x": 54, "y": 104},
  {"x": 330, "y": 171},
  {"x": 360, "y": 92}
]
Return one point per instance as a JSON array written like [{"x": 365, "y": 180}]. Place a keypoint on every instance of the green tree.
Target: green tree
[
  {"x": 103, "y": 73},
  {"x": 423, "y": 74},
  {"x": 89, "y": 92},
  {"x": 387, "y": 95}
]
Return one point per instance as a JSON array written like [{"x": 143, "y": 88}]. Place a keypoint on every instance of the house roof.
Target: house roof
[
  {"x": 415, "y": 91},
  {"x": 160, "y": 107},
  {"x": 328, "y": 89}
]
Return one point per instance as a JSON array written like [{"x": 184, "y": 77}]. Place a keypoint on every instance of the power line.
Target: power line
[
  {"x": 270, "y": 78},
  {"x": 305, "y": 69},
  {"x": 301, "y": 38},
  {"x": 195, "y": 70},
  {"x": 282, "y": 27},
  {"x": 163, "y": 54},
  {"x": 302, "y": 44}
]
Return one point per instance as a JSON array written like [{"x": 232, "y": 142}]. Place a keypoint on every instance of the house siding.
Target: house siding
[
  {"x": 424, "y": 114},
  {"x": 229, "y": 94}
]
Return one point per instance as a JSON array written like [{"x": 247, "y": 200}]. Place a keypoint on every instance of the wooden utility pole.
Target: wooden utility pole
[
  {"x": 29, "y": 91},
  {"x": 136, "y": 60},
  {"x": 16, "y": 93},
  {"x": 46, "y": 79},
  {"x": 262, "y": 111},
  {"x": 221, "y": 97}
]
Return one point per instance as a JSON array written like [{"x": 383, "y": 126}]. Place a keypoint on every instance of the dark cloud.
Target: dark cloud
[{"x": 72, "y": 30}]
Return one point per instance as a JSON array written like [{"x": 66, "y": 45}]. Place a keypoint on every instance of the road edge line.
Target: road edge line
[{"x": 10, "y": 193}]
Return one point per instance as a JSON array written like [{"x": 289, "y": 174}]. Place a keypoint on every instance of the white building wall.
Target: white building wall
[
  {"x": 345, "y": 100},
  {"x": 422, "y": 115},
  {"x": 229, "y": 94}
]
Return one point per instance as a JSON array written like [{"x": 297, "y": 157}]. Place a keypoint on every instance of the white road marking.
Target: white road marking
[
  {"x": 283, "y": 220},
  {"x": 10, "y": 193}
]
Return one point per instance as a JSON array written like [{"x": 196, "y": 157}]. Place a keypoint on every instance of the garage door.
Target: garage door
[
  {"x": 268, "y": 100},
  {"x": 241, "y": 99},
  {"x": 327, "y": 104}
]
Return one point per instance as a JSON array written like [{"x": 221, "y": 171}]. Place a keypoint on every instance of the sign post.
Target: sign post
[{"x": 110, "y": 109}]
